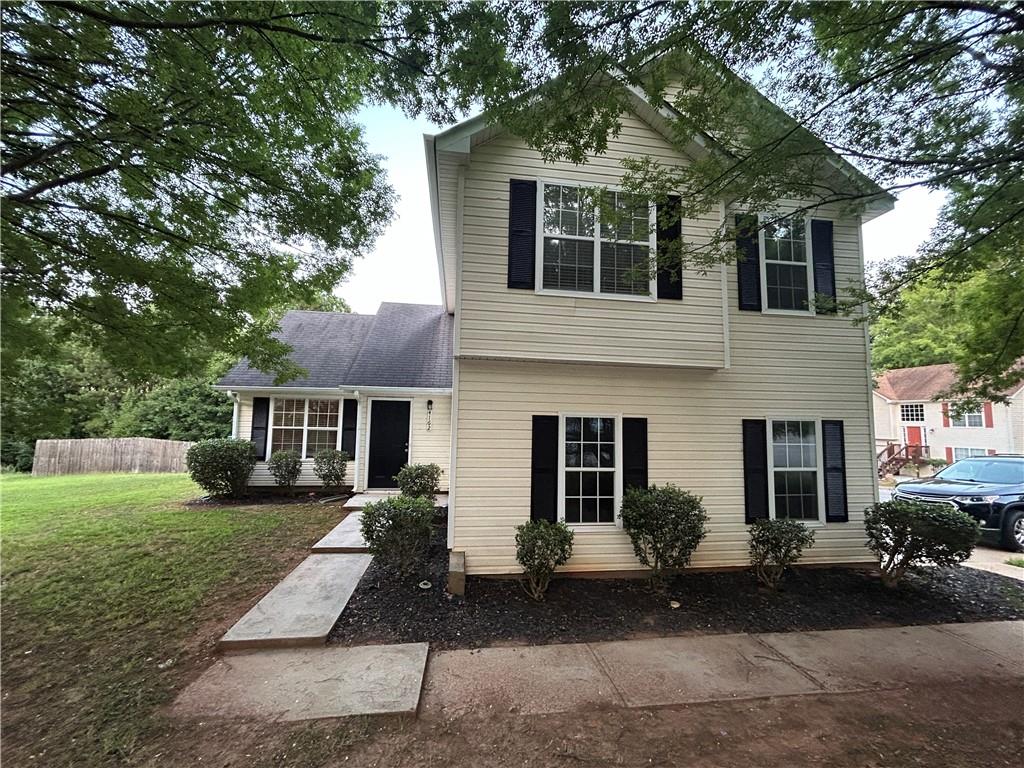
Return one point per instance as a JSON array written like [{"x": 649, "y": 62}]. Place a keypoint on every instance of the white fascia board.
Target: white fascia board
[
  {"x": 334, "y": 392},
  {"x": 430, "y": 151}
]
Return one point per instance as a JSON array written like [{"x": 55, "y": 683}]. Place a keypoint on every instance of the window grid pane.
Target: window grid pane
[
  {"x": 289, "y": 413},
  {"x": 568, "y": 264},
  {"x": 590, "y": 470},
  {"x": 287, "y": 439},
  {"x": 912, "y": 411},
  {"x": 966, "y": 453},
  {"x": 785, "y": 257},
  {"x": 795, "y": 463},
  {"x": 320, "y": 439}
]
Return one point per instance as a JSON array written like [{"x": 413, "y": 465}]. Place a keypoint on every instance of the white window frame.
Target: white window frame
[
  {"x": 820, "y": 474},
  {"x": 305, "y": 423},
  {"x": 596, "y": 292},
  {"x": 762, "y": 218},
  {"x": 916, "y": 421},
  {"x": 972, "y": 453},
  {"x": 966, "y": 423},
  {"x": 617, "y": 483}
]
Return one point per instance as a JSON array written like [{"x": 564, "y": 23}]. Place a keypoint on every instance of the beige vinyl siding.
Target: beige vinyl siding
[
  {"x": 782, "y": 366},
  {"x": 429, "y": 446},
  {"x": 498, "y": 322},
  {"x": 1016, "y": 430},
  {"x": 694, "y": 440}
]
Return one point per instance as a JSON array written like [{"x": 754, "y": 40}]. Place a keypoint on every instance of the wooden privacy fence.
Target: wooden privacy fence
[{"x": 108, "y": 454}]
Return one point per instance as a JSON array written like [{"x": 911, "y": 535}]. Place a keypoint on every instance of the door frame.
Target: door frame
[
  {"x": 923, "y": 431},
  {"x": 369, "y": 434}
]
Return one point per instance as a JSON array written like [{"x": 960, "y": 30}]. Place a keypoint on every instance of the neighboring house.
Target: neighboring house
[
  {"x": 572, "y": 380},
  {"x": 378, "y": 386},
  {"x": 912, "y": 418}
]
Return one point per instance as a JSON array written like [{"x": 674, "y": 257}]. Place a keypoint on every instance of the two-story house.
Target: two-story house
[
  {"x": 572, "y": 377},
  {"x": 912, "y": 419}
]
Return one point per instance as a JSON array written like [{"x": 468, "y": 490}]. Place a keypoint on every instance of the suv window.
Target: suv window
[{"x": 996, "y": 471}]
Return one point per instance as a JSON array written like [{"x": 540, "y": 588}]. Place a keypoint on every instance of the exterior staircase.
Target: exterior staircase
[{"x": 895, "y": 457}]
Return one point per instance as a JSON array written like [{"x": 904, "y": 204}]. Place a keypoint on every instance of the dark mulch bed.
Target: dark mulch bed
[
  {"x": 384, "y": 609},
  {"x": 277, "y": 498}
]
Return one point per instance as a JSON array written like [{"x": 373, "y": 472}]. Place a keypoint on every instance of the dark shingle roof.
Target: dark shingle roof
[{"x": 403, "y": 345}]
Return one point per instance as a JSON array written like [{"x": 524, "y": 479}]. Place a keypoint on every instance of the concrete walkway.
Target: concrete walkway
[
  {"x": 303, "y": 608},
  {"x": 683, "y": 670},
  {"x": 360, "y": 500},
  {"x": 345, "y": 537},
  {"x": 309, "y": 683}
]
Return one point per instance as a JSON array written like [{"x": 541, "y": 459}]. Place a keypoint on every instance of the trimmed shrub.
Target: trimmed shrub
[
  {"x": 907, "y": 534},
  {"x": 419, "y": 480},
  {"x": 285, "y": 466},
  {"x": 665, "y": 525},
  {"x": 397, "y": 531},
  {"x": 541, "y": 546},
  {"x": 221, "y": 467},
  {"x": 774, "y": 546},
  {"x": 330, "y": 465}
]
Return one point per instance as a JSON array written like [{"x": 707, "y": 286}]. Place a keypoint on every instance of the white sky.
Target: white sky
[{"x": 403, "y": 265}]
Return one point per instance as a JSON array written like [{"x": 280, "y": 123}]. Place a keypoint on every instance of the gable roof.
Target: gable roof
[
  {"x": 925, "y": 382},
  {"x": 402, "y": 346}
]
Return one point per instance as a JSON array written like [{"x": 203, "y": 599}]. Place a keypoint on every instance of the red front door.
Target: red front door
[{"x": 915, "y": 436}]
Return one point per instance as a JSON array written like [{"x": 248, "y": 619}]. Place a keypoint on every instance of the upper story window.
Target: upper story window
[
  {"x": 786, "y": 265},
  {"x": 581, "y": 253},
  {"x": 912, "y": 411},
  {"x": 975, "y": 419}
]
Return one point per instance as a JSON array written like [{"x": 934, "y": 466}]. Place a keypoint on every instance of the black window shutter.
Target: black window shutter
[
  {"x": 755, "y": 469},
  {"x": 634, "y": 453},
  {"x": 348, "y": 427},
  {"x": 748, "y": 270},
  {"x": 669, "y": 286},
  {"x": 522, "y": 233},
  {"x": 260, "y": 420},
  {"x": 833, "y": 452},
  {"x": 824, "y": 262},
  {"x": 544, "y": 469}
]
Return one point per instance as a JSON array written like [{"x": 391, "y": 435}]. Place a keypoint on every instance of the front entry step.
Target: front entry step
[
  {"x": 346, "y": 536},
  {"x": 303, "y": 608}
]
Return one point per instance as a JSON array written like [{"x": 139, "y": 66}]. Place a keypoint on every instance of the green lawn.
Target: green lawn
[
  {"x": 113, "y": 593},
  {"x": 1017, "y": 561}
]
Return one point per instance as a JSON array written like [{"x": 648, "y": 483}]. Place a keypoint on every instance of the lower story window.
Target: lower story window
[
  {"x": 589, "y": 457},
  {"x": 313, "y": 423},
  {"x": 966, "y": 453},
  {"x": 794, "y": 454}
]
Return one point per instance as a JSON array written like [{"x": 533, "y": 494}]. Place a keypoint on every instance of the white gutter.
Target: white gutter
[{"x": 435, "y": 212}]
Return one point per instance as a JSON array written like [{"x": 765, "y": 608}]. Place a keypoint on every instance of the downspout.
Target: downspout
[{"x": 235, "y": 414}]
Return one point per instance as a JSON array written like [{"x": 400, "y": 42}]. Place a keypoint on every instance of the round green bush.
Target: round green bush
[
  {"x": 907, "y": 534},
  {"x": 330, "y": 465},
  {"x": 419, "y": 480},
  {"x": 221, "y": 467},
  {"x": 397, "y": 531},
  {"x": 285, "y": 466},
  {"x": 542, "y": 546},
  {"x": 665, "y": 525},
  {"x": 775, "y": 545}
]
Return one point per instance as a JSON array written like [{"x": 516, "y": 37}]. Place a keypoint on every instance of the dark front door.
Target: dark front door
[{"x": 389, "y": 442}]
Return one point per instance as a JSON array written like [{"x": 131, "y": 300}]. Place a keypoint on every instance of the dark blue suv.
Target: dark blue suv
[{"x": 989, "y": 488}]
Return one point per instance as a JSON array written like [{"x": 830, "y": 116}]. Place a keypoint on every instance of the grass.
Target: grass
[
  {"x": 107, "y": 579},
  {"x": 1017, "y": 561}
]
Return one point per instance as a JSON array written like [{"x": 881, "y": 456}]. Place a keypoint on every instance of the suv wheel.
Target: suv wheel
[{"x": 1013, "y": 531}]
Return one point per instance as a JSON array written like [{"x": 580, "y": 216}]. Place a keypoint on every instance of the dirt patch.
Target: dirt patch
[
  {"x": 274, "y": 496},
  {"x": 906, "y": 727},
  {"x": 497, "y": 611}
]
